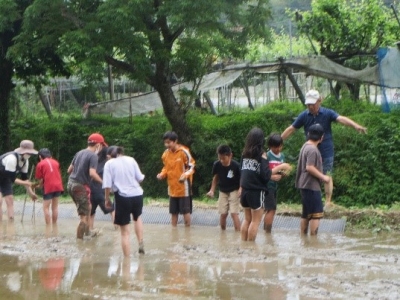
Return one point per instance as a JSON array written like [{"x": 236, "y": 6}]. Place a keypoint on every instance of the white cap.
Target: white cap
[{"x": 312, "y": 97}]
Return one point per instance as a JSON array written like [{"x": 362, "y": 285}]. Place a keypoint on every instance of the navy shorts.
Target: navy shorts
[
  {"x": 6, "y": 186},
  {"x": 52, "y": 195},
  {"x": 180, "y": 205},
  {"x": 312, "y": 204},
  {"x": 270, "y": 200},
  {"x": 327, "y": 165},
  {"x": 253, "y": 199},
  {"x": 127, "y": 206}
]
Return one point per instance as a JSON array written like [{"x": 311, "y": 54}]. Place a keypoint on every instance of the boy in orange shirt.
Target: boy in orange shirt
[{"x": 178, "y": 170}]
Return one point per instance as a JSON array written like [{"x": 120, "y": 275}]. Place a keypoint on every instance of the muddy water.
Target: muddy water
[{"x": 197, "y": 263}]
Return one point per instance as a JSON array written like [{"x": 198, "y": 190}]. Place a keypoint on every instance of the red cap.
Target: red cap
[{"x": 96, "y": 138}]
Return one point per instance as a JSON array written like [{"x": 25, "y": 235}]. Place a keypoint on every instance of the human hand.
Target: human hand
[
  {"x": 210, "y": 194},
  {"x": 361, "y": 129},
  {"x": 326, "y": 178},
  {"x": 108, "y": 203},
  {"x": 277, "y": 177},
  {"x": 182, "y": 178},
  {"x": 33, "y": 196}
]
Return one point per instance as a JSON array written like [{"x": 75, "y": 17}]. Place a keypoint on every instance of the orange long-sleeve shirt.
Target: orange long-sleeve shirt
[{"x": 175, "y": 164}]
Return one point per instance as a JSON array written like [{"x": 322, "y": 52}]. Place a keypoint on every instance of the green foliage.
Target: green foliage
[
  {"x": 344, "y": 29},
  {"x": 365, "y": 169}
]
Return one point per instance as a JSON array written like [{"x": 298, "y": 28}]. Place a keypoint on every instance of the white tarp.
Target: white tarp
[
  {"x": 386, "y": 73},
  {"x": 151, "y": 101}
]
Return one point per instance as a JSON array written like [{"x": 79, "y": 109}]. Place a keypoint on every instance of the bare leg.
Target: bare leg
[
  {"x": 138, "y": 224},
  {"x": 314, "y": 224},
  {"x": 10, "y": 206},
  {"x": 54, "y": 210},
  {"x": 245, "y": 224},
  {"x": 222, "y": 221},
  {"x": 187, "y": 219},
  {"x": 125, "y": 241},
  {"x": 174, "y": 219},
  {"x": 83, "y": 226},
  {"x": 91, "y": 222},
  {"x": 139, "y": 229},
  {"x": 46, "y": 211},
  {"x": 328, "y": 192},
  {"x": 268, "y": 220},
  {"x": 1, "y": 207},
  {"x": 304, "y": 226},
  {"x": 256, "y": 216},
  {"x": 236, "y": 221}
]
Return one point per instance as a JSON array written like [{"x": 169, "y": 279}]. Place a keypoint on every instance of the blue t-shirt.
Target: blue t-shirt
[{"x": 325, "y": 117}]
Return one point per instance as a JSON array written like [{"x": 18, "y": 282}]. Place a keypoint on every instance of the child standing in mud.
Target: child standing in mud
[
  {"x": 275, "y": 158},
  {"x": 48, "y": 172},
  {"x": 96, "y": 191},
  {"x": 122, "y": 176},
  {"x": 178, "y": 170},
  {"x": 82, "y": 170},
  {"x": 226, "y": 173},
  {"x": 255, "y": 174},
  {"x": 309, "y": 176}
]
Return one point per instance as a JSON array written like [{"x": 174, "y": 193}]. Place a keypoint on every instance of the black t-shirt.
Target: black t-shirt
[{"x": 229, "y": 177}]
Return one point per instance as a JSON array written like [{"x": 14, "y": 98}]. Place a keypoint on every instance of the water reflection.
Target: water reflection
[{"x": 195, "y": 263}]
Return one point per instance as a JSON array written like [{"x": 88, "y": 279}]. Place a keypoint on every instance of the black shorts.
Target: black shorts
[
  {"x": 6, "y": 186},
  {"x": 180, "y": 205},
  {"x": 312, "y": 204},
  {"x": 270, "y": 200},
  {"x": 52, "y": 195},
  {"x": 253, "y": 199},
  {"x": 125, "y": 206},
  {"x": 98, "y": 200}
]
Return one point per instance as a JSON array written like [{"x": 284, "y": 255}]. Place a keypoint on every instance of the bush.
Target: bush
[{"x": 365, "y": 169}]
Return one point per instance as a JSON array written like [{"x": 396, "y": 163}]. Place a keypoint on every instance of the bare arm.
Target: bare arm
[
  {"x": 288, "y": 132},
  {"x": 349, "y": 122},
  {"x": 107, "y": 192},
  {"x": 93, "y": 174},
  {"x": 316, "y": 173},
  {"x": 213, "y": 186},
  {"x": 70, "y": 169},
  {"x": 27, "y": 184}
]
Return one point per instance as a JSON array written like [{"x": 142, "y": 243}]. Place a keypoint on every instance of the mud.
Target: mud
[{"x": 39, "y": 262}]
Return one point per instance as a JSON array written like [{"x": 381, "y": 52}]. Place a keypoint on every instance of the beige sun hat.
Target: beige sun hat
[{"x": 26, "y": 147}]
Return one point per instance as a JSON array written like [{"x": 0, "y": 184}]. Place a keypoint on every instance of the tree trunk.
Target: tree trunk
[
  {"x": 354, "y": 89},
  {"x": 6, "y": 86},
  {"x": 44, "y": 101},
  {"x": 173, "y": 111}
]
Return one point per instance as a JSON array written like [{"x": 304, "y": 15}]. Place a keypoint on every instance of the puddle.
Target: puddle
[{"x": 197, "y": 263}]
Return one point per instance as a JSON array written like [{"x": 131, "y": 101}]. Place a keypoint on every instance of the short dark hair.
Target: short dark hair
[
  {"x": 170, "y": 135},
  {"x": 114, "y": 151},
  {"x": 224, "y": 150},
  {"x": 275, "y": 140},
  {"x": 315, "y": 132},
  {"x": 44, "y": 153}
]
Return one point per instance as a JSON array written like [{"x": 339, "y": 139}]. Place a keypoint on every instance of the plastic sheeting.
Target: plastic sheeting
[
  {"x": 385, "y": 74},
  {"x": 151, "y": 101}
]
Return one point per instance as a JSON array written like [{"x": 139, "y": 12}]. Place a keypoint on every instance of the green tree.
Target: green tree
[
  {"x": 347, "y": 30},
  {"x": 10, "y": 23},
  {"x": 150, "y": 40},
  {"x": 29, "y": 68}
]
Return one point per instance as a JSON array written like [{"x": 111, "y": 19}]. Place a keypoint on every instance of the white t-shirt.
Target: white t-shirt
[
  {"x": 123, "y": 175},
  {"x": 10, "y": 163}
]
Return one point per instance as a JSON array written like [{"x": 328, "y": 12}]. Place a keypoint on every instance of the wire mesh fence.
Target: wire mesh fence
[{"x": 160, "y": 215}]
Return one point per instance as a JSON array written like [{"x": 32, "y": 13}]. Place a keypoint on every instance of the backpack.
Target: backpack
[{"x": 3, "y": 168}]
